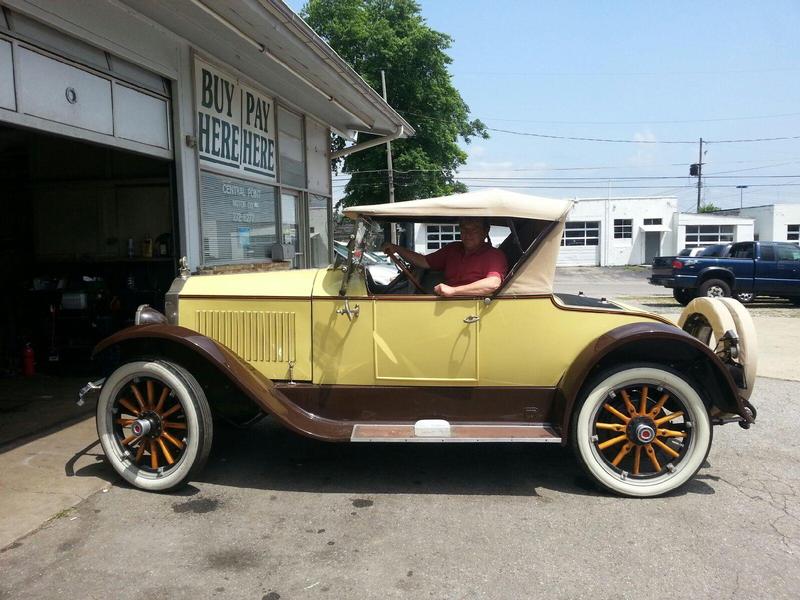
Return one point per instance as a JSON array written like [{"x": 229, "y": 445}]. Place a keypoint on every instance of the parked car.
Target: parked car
[
  {"x": 332, "y": 355},
  {"x": 380, "y": 267},
  {"x": 744, "y": 270}
]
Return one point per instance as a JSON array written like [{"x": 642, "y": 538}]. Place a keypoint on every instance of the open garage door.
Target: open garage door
[{"x": 87, "y": 235}]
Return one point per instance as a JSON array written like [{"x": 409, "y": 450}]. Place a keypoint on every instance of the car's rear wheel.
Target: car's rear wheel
[
  {"x": 641, "y": 430},
  {"x": 154, "y": 424},
  {"x": 714, "y": 288},
  {"x": 683, "y": 295}
]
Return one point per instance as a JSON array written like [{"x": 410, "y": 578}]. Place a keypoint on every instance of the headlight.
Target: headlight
[{"x": 146, "y": 315}]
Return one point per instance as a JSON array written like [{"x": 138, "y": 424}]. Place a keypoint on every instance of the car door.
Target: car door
[
  {"x": 425, "y": 340},
  {"x": 787, "y": 269}
]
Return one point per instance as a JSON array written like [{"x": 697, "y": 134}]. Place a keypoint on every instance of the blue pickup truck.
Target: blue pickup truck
[{"x": 747, "y": 270}]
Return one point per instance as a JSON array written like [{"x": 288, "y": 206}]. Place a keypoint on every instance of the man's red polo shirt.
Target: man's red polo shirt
[{"x": 461, "y": 268}]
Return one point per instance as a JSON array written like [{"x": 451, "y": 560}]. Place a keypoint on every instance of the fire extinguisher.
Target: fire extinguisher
[{"x": 28, "y": 361}]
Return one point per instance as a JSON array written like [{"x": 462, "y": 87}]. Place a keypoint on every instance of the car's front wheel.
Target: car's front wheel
[
  {"x": 641, "y": 430},
  {"x": 154, "y": 424}
]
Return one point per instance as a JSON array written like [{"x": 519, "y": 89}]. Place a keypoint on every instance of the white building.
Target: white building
[
  {"x": 773, "y": 222},
  {"x": 618, "y": 231}
]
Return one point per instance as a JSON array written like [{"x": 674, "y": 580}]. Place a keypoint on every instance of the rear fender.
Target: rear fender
[
  {"x": 207, "y": 360},
  {"x": 654, "y": 343}
]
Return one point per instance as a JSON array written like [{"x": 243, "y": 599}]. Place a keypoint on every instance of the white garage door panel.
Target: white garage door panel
[
  {"x": 6, "y": 77},
  {"x": 140, "y": 117},
  {"x": 579, "y": 256},
  {"x": 44, "y": 83}
]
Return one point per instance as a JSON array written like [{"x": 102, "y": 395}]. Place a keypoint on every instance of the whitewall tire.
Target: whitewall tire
[
  {"x": 154, "y": 424},
  {"x": 641, "y": 430}
]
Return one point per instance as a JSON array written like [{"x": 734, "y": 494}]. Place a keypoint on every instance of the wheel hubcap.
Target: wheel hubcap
[
  {"x": 150, "y": 425},
  {"x": 715, "y": 292},
  {"x": 641, "y": 432}
]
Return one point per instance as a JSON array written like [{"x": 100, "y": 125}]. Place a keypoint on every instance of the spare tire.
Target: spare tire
[
  {"x": 708, "y": 319},
  {"x": 748, "y": 343}
]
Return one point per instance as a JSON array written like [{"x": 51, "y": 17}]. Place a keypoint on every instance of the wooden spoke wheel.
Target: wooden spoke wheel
[
  {"x": 642, "y": 430},
  {"x": 154, "y": 424}
]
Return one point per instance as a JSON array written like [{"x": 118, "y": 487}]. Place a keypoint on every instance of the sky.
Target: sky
[{"x": 650, "y": 73}]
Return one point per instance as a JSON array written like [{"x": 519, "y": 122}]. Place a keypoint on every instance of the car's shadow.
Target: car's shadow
[{"x": 270, "y": 458}]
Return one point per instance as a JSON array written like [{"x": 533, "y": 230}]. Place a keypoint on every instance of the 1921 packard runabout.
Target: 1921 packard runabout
[{"x": 332, "y": 355}]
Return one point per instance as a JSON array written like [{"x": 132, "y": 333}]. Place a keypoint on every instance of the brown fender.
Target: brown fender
[
  {"x": 241, "y": 375},
  {"x": 648, "y": 342}
]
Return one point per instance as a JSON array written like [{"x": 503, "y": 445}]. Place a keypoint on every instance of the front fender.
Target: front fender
[
  {"x": 166, "y": 340},
  {"x": 649, "y": 342}
]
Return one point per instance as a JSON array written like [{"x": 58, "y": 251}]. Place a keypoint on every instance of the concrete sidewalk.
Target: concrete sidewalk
[{"x": 47, "y": 476}]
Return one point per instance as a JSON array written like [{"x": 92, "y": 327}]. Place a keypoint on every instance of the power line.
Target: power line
[{"x": 624, "y": 141}]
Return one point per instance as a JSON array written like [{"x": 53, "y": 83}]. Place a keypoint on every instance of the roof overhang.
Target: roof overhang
[{"x": 272, "y": 46}]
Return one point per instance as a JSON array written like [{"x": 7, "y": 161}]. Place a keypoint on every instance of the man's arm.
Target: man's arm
[
  {"x": 415, "y": 258},
  {"x": 482, "y": 287}
]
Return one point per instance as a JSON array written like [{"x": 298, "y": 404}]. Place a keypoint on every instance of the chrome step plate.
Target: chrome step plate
[{"x": 465, "y": 432}]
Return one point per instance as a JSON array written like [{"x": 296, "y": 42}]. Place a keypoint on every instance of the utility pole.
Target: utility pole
[
  {"x": 389, "y": 167},
  {"x": 699, "y": 173}
]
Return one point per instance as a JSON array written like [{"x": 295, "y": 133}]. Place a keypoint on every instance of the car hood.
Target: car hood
[{"x": 297, "y": 283}]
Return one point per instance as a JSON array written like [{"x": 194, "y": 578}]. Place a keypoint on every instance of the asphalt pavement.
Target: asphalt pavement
[{"x": 279, "y": 516}]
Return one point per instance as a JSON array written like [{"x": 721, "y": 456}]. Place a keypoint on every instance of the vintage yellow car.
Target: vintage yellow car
[{"x": 335, "y": 356}]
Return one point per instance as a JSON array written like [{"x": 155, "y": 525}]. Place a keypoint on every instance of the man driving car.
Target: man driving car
[{"x": 472, "y": 267}]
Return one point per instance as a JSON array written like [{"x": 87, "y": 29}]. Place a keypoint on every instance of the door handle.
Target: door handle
[{"x": 472, "y": 319}]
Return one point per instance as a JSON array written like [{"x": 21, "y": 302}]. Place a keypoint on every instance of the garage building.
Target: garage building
[{"x": 133, "y": 133}]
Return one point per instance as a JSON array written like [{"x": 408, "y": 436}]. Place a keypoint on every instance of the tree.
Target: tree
[
  {"x": 392, "y": 35},
  {"x": 708, "y": 208}
]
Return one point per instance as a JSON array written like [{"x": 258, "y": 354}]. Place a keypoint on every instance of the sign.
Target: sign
[{"x": 235, "y": 124}]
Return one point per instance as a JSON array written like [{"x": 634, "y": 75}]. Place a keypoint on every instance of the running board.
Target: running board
[{"x": 442, "y": 431}]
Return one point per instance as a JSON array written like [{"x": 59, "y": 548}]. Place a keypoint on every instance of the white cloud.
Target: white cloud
[{"x": 645, "y": 154}]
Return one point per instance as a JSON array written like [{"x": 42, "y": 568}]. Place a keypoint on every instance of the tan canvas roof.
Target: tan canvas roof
[
  {"x": 484, "y": 203},
  {"x": 535, "y": 275}
]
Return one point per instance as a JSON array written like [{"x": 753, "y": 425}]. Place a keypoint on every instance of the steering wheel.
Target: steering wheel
[{"x": 406, "y": 271}]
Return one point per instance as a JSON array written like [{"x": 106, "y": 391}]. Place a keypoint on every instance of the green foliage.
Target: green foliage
[
  {"x": 709, "y": 208},
  {"x": 392, "y": 35}
]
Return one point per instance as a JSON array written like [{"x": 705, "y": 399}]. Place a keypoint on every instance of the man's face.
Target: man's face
[{"x": 473, "y": 233}]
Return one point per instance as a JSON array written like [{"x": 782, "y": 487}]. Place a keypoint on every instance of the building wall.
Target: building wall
[
  {"x": 120, "y": 31},
  {"x": 772, "y": 220}
]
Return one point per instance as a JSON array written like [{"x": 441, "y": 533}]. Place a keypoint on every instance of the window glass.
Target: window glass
[
  {"x": 793, "y": 233},
  {"x": 623, "y": 228},
  {"x": 319, "y": 230},
  {"x": 787, "y": 253},
  {"x": 581, "y": 233},
  {"x": 653, "y": 221},
  {"x": 441, "y": 235},
  {"x": 290, "y": 149},
  {"x": 742, "y": 251},
  {"x": 237, "y": 219},
  {"x": 703, "y": 235},
  {"x": 767, "y": 253}
]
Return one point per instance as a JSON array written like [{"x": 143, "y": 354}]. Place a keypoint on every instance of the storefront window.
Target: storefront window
[
  {"x": 290, "y": 225},
  {"x": 319, "y": 230},
  {"x": 237, "y": 219},
  {"x": 290, "y": 149}
]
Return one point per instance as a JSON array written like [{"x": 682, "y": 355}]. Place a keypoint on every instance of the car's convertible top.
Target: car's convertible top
[{"x": 536, "y": 225}]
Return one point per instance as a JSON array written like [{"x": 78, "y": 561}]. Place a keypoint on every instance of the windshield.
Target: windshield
[{"x": 366, "y": 236}]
